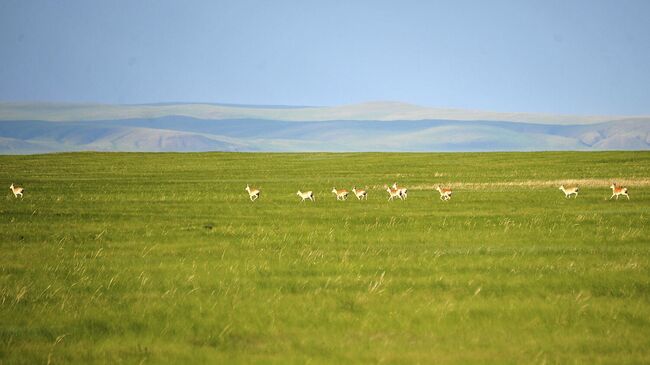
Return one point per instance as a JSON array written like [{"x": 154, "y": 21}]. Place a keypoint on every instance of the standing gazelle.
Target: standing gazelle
[
  {"x": 618, "y": 190},
  {"x": 445, "y": 193},
  {"x": 403, "y": 192},
  {"x": 17, "y": 190},
  {"x": 340, "y": 194},
  {"x": 253, "y": 193},
  {"x": 569, "y": 191},
  {"x": 394, "y": 193},
  {"x": 360, "y": 194},
  {"x": 306, "y": 195}
]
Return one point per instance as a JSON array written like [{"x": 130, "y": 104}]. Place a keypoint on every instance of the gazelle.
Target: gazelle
[
  {"x": 340, "y": 194},
  {"x": 17, "y": 190},
  {"x": 253, "y": 193},
  {"x": 306, "y": 195},
  {"x": 445, "y": 193},
  {"x": 618, "y": 190},
  {"x": 360, "y": 194},
  {"x": 570, "y": 191},
  {"x": 392, "y": 193},
  {"x": 403, "y": 192}
]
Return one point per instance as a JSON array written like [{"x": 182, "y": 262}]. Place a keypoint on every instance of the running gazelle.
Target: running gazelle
[
  {"x": 403, "y": 192},
  {"x": 445, "y": 193},
  {"x": 306, "y": 195},
  {"x": 573, "y": 190},
  {"x": 17, "y": 190},
  {"x": 360, "y": 194},
  {"x": 340, "y": 194},
  {"x": 394, "y": 193},
  {"x": 618, "y": 190},
  {"x": 253, "y": 193}
]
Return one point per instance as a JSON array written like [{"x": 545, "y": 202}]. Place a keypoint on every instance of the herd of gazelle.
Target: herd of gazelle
[
  {"x": 617, "y": 190},
  {"x": 396, "y": 191}
]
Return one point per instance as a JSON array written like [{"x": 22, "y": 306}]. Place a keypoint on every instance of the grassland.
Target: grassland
[{"x": 161, "y": 258}]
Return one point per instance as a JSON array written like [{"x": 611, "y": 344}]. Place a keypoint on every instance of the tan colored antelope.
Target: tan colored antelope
[
  {"x": 306, "y": 195},
  {"x": 340, "y": 194},
  {"x": 618, "y": 190},
  {"x": 360, "y": 194},
  {"x": 445, "y": 193},
  {"x": 573, "y": 190},
  {"x": 253, "y": 193},
  {"x": 403, "y": 192},
  {"x": 17, "y": 190},
  {"x": 393, "y": 193}
]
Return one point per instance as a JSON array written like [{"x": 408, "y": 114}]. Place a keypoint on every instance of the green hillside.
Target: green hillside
[{"x": 162, "y": 258}]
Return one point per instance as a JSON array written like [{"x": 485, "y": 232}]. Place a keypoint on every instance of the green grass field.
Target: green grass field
[{"x": 162, "y": 258}]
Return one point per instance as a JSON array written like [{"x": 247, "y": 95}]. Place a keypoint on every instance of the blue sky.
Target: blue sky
[{"x": 578, "y": 57}]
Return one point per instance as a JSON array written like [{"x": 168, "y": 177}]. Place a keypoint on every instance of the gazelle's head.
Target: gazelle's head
[
  {"x": 438, "y": 187},
  {"x": 334, "y": 190},
  {"x": 561, "y": 187},
  {"x": 12, "y": 186},
  {"x": 613, "y": 186},
  {"x": 247, "y": 188},
  {"x": 394, "y": 185},
  {"x": 299, "y": 193}
]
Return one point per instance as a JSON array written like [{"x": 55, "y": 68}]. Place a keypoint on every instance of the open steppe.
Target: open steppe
[{"x": 162, "y": 258}]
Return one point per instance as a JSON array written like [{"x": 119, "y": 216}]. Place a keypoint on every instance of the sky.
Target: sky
[{"x": 568, "y": 57}]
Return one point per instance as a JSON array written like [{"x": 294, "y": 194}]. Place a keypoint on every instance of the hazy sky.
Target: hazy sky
[{"x": 584, "y": 57}]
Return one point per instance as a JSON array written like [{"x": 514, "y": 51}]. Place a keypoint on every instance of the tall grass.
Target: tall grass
[{"x": 162, "y": 258}]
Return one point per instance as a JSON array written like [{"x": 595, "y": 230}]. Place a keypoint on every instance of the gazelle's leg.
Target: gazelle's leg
[
  {"x": 610, "y": 198},
  {"x": 628, "y": 197}
]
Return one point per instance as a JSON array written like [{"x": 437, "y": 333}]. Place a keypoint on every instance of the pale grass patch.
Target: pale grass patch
[
  {"x": 602, "y": 183},
  {"x": 375, "y": 285}
]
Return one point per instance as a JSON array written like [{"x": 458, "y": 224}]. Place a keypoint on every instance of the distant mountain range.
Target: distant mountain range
[{"x": 379, "y": 126}]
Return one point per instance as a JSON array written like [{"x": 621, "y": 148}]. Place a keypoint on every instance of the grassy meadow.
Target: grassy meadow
[{"x": 162, "y": 258}]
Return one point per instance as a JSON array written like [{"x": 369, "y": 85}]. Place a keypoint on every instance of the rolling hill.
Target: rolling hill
[{"x": 48, "y": 127}]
